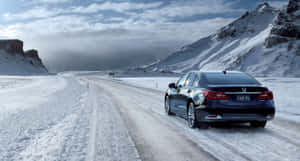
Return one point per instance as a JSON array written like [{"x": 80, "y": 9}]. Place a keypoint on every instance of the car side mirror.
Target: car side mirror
[{"x": 172, "y": 85}]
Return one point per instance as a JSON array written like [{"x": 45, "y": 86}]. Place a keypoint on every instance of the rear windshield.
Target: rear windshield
[{"x": 229, "y": 78}]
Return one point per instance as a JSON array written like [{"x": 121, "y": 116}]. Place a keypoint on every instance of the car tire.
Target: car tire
[
  {"x": 191, "y": 115},
  {"x": 167, "y": 106},
  {"x": 258, "y": 124}
]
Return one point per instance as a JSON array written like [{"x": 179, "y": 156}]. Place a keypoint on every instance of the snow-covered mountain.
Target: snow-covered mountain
[
  {"x": 14, "y": 61},
  {"x": 263, "y": 42}
]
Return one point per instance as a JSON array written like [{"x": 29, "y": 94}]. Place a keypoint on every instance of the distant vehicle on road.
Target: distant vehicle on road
[
  {"x": 111, "y": 74},
  {"x": 228, "y": 96}
]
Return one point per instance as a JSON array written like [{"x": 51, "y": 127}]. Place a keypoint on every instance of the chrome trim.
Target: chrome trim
[
  {"x": 237, "y": 85},
  {"x": 243, "y": 92},
  {"x": 214, "y": 118},
  {"x": 200, "y": 107}
]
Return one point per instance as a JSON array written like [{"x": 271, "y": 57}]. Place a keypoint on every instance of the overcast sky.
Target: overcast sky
[{"x": 111, "y": 34}]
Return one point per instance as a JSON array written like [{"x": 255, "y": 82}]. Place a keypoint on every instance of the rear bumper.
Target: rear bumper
[
  {"x": 206, "y": 115},
  {"x": 228, "y": 110}
]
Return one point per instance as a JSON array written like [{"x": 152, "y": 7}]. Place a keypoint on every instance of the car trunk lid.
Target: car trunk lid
[{"x": 240, "y": 95}]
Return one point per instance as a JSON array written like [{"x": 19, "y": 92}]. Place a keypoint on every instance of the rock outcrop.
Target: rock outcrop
[
  {"x": 286, "y": 26},
  {"x": 12, "y": 46},
  {"x": 14, "y": 60},
  {"x": 248, "y": 23},
  {"x": 33, "y": 55}
]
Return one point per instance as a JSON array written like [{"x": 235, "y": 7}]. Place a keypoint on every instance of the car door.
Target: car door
[
  {"x": 175, "y": 98},
  {"x": 184, "y": 94}
]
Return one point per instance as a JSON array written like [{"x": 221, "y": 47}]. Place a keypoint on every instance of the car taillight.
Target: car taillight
[
  {"x": 267, "y": 95},
  {"x": 270, "y": 116},
  {"x": 214, "y": 95}
]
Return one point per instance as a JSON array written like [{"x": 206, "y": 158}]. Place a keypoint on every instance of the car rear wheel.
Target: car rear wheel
[
  {"x": 191, "y": 117},
  {"x": 258, "y": 124},
  {"x": 167, "y": 106}
]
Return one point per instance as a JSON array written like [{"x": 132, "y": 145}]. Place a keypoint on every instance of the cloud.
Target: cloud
[
  {"x": 189, "y": 8},
  {"x": 117, "y": 45},
  {"x": 117, "y": 7},
  {"x": 137, "y": 28},
  {"x": 36, "y": 12},
  {"x": 10, "y": 31},
  {"x": 45, "y": 12},
  {"x": 92, "y": 38},
  {"x": 49, "y": 1},
  {"x": 106, "y": 49}
]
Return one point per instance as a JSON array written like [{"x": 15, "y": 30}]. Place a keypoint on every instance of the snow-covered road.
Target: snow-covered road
[{"x": 76, "y": 118}]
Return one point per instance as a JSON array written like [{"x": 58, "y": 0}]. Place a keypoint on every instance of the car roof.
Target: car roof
[{"x": 199, "y": 72}]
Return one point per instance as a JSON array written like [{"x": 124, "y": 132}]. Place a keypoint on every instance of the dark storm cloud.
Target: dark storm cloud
[{"x": 101, "y": 50}]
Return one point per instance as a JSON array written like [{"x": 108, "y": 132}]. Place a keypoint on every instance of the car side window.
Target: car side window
[
  {"x": 187, "y": 79},
  {"x": 182, "y": 80},
  {"x": 196, "y": 82},
  {"x": 202, "y": 81},
  {"x": 190, "y": 80}
]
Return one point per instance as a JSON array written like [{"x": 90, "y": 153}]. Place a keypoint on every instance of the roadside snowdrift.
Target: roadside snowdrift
[{"x": 263, "y": 42}]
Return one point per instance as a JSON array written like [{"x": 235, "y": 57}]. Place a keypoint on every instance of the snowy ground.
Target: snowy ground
[
  {"x": 51, "y": 118},
  {"x": 34, "y": 120},
  {"x": 83, "y": 116}
]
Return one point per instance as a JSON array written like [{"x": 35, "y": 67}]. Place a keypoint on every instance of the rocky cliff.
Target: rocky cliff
[
  {"x": 286, "y": 26},
  {"x": 14, "y": 60}
]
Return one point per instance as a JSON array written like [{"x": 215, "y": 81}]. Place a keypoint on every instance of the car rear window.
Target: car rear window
[{"x": 229, "y": 78}]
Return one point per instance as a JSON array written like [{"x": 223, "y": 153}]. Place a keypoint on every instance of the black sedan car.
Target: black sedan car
[{"x": 227, "y": 96}]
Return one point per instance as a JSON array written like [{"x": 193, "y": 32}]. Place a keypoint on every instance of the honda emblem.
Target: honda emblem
[{"x": 244, "y": 89}]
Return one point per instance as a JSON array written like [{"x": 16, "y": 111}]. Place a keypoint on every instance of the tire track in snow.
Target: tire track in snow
[
  {"x": 110, "y": 139},
  {"x": 274, "y": 133},
  {"x": 93, "y": 127},
  {"x": 150, "y": 147},
  {"x": 76, "y": 143}
]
